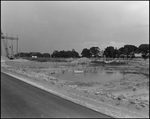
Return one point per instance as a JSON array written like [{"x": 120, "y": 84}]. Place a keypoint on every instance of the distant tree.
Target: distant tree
[
  {"x": 38, "y": 54},
  {"x": 145, "y": 56},
  {"x": 95, "y": 51},
  {"x": 128, "y": 49},
  {"x": 75, "y": 54},
  {"x": 116, "y": 53},
  {"x": 62, "y": 54},
  {"x": 121, "y": 50},
  {"x": 55, "y": 54},
  {"x": 86, "y": 53},
  {"x": 143, "y": 48},
  {"x": 109, "y": 52},
  {"x": 46, "y": 55},
  {"x": 22, "y": 54},
  {"x": 69, "y": 53},
  {"x": 27, "y": 55},
  {"x": 65, "y": 54}
]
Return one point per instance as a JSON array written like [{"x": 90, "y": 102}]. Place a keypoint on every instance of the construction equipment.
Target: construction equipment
[{"x": 10, "y": 56}]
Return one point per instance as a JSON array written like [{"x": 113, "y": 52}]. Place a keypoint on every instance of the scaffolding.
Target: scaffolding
[{"x": 5, "y": 43}]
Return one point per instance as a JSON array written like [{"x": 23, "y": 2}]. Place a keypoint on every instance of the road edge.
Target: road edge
[{"x": 57, "y": 94}]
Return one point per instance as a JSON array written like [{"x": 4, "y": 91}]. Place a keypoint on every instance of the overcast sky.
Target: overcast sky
[{"x": 62, "y": 25}]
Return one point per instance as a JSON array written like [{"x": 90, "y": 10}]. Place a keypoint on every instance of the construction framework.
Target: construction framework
[{"x": 5, "y": 42}]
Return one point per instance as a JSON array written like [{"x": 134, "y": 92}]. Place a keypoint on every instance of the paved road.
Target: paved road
[{"x": 19, "y": 99}]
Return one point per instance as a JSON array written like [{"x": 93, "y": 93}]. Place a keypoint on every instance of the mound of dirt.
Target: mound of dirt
[
  {"x": 81, "y": 60},
  {"x": 69, "y": 59}
]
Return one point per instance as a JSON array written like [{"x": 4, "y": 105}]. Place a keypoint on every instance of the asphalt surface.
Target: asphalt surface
[{"x": 19, "y": 99}]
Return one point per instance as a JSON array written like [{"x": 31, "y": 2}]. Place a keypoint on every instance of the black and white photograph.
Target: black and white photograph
[{"x": 74, "y": 59}]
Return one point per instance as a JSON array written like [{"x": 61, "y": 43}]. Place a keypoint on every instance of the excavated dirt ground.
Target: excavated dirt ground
[{"x": 126, "y": 97}]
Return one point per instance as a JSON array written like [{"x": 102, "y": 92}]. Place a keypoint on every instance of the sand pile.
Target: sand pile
[
  {"x": 69, "y": 59},
  {"x": 83, "y": 60}
]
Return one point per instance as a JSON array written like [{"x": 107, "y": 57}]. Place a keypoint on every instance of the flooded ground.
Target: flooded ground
[
  {"x": 95, "y": 74},
  {"x": 120, "y": 87}
]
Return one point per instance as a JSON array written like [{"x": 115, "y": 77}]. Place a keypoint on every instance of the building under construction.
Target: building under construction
[{"x": 5, "y": 41}]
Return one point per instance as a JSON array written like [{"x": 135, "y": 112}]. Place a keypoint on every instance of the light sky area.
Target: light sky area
[{"x": 45, "y": 26}]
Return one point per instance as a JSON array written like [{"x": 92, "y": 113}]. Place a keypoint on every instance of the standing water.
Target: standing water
[{"x": 95, "y": 76}]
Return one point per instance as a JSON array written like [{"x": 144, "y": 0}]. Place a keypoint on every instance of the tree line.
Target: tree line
[
  {"x": 65, "y": 54},
  {"x": 127, "y": 51},
  {"x": 30, "y": 54}
]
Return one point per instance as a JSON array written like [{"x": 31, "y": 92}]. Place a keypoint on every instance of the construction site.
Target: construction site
[{"x": 120, "y": 91}]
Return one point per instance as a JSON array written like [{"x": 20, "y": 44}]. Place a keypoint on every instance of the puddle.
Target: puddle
[{"x": 98, "y": 76}]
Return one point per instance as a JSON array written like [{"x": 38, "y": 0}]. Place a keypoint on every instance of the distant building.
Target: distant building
[
  {"x": 34, "y": 56},
  {"x": 138, "y": 55}
]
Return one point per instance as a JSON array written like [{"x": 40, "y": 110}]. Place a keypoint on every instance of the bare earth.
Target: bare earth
[{"x": 126, "y": 97}]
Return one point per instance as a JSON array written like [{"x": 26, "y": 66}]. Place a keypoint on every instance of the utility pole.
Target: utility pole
[
  {"x": 17, "y": 45},
  {"x": 12, "y": 46},
  {"x": 19, "y": 53},
  {"x": 6, "y": 41},
  {"x": 6, "y": 46}
]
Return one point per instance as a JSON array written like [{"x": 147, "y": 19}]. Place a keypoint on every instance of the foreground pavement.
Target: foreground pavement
[{"x": 19, "y": 99}]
